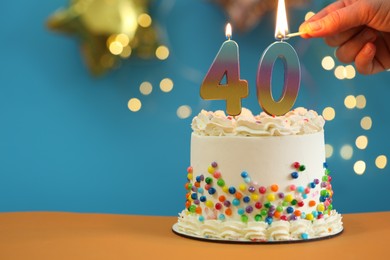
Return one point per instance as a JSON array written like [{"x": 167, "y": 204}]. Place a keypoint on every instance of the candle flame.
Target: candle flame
[
  {"x": 281, "y": 29},
  {"x": 228, "y": 31}
]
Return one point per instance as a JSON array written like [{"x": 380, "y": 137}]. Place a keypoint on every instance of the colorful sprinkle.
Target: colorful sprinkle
[
  {"x": 209, "y": 203},
  {"x": 212, "y": 191},
  {"x": 192, "y": 209},
  {"x": 226, "y": 203},
  {"x": 269, "y": 220},
  {"x": 288, "y": 198},
  {"x": 211, "y": 169},
  {"x": 312, "y": 203},
  {"x": 214, "y": 164},
  {"x": 194, "y": 196},
  {"x": 244, "y": 174},
  {"x": 201, "y": 218},
  {"x": 302, "y": 168},
  {"x": 217, "y": 174},
  {"x": 294, "y": 175},
  {"x": 296, "y": 165},
  {"x": 254, "y": 197},
  {"x": 258, "y": 205},
  {"x": 202, "y": 198},
  {"x": 221, "y": 217},
  {"x": 320, "y": 207},
  {"x": 293, "y": 187},
  {"x": 251, "y": 189},
  {"x": 232, "y": 190},
  {"x": 249, "y": 209},
  {"x": 262, "y": 189},
  {"x": 258, "y": 217},
  {"x": 274, "y": 187},
  {"x": 244, "y": 218},
  {"x": 198, "y": 210},
  {"x": 247, "y": 180},
  {"x": 228, "y": 212},
  {"x": 221, "y": 182},
  {"x": 242, "y": 187},
  {"x": 309, "y": 216},
  {"x": 225, "y": 189},
  {"x": 209, "y": 180},
  {"x": 200, "y": 190},
  {"x": 290, "y": 210},
  {"x": 246, "y": 199},
  {"x": 240, "y": 211},
  {"x": 238, "y": 195},
  {"x": 218, "y": 206},
  {"x": 264, "y": 212},
  {"x": 297, "y": 213},
  {"x": 271, "y": 197},
  {"x": 304, "y": 236},
  {"x": 222, "y": 198},
  {"x": 189, "y": 169},
  {"x": 236, "y": 202}
]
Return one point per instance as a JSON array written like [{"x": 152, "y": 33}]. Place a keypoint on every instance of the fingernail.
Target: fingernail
[{"x": 314, "y": 26}]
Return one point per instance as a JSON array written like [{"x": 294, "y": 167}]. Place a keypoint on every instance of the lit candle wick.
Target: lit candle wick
[{"x": 228, "y": 31}]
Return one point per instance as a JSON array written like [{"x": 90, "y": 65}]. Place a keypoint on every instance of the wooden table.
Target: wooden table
[{"x": 45, "y": 235}]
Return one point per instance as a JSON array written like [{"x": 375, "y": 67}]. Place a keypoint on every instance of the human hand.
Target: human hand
[{"x": 360, "y": 29}]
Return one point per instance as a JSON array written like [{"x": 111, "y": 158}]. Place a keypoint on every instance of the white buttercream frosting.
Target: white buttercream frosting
[
  {"x": 296, "y": 122},
  {"x": 261, "y": 231}
]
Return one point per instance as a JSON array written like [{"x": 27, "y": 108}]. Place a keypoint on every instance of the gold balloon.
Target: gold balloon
[{"x": 108, "y": 30}]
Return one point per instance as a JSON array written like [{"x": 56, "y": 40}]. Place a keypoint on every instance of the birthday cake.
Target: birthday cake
[{"x": 258, "y": 178}]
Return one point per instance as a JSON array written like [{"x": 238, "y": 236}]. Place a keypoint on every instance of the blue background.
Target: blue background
[{"x": 68, "y": 142}]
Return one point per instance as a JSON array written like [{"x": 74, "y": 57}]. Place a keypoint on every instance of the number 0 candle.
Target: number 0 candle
[
  {"x": 226, "y": 64},
  {"x": 292, "y": 70}
]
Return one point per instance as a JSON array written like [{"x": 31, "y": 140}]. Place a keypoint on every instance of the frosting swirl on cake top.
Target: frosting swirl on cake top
[{"x": 296, "y": 122}]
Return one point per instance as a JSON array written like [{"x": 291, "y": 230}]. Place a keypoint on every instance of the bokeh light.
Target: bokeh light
[
  {"x": 350, "y": 72},
  {"x": 340, "y": 72},
  {"x": 361, "y": 101},
  {"x": 329, "y": 113},
  {"x": 144, "y": 20},
  {"x": 346, "y": 152},
  {"x": 350, "y": 102},
  {"x": 162, "y": 52},
  {"x": 166, "y": 85},
  {"x": 146, "y": 88},
  {"x": 328, "y": 150},
  {"x": 361, "y": 142},
  {"x": 328, "y": 63},
  {"x": 359, "y": 167},
  {"x": 381, "y": 161},
  {"x": 184, "y": 112},
  {"x": 134, "y": 104},
  {"x": 115, "y": 47},
  {"x": 366, "y": 123}
]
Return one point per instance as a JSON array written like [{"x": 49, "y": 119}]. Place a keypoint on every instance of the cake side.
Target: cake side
[{"x": 259, "y": 178}]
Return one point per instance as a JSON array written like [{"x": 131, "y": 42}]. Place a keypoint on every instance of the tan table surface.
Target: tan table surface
[{"x": 45, "y": 235}]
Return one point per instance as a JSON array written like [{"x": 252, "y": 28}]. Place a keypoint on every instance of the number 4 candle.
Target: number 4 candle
[
  {"x": 226, "y": 64},
  {"x": 292, "y": 70}
]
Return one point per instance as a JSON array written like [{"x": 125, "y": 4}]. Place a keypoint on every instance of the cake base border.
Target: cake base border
[{"x": 176, "y": 231}]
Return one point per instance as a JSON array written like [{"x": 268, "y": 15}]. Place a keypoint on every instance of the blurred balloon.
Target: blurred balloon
[
  {"x": 108, "y": 31},
  {"x": 246, "y": 14}
]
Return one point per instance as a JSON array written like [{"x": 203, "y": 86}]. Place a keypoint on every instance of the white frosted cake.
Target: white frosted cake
[{"x": 258, "y": 178}]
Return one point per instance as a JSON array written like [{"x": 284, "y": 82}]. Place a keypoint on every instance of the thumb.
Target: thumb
[{"x": 334, "y": 22}]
